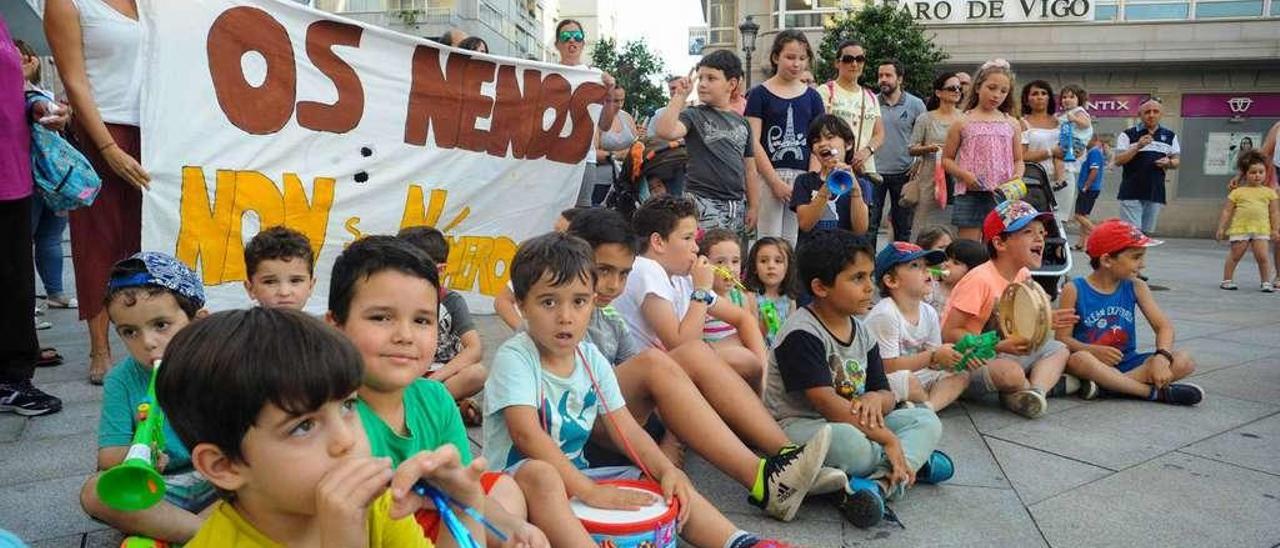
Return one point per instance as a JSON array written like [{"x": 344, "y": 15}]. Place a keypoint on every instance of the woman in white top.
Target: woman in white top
[
  {"x": 96, "y": 47},
  {"x": 1040, "y": 138},
  {"x": 571, "y": 41}
]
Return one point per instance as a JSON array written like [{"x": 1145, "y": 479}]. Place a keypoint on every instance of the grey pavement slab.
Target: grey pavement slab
[
  {"x": 74, "y": 419},
  {"x": 1037, "y": 475},
  {"x": 800, "y": 532},
  {"x": 46, "y": 509},
  {"x": 1096, "y": 434},
  {"x": 1173, "y": 500},
  {"x": 950, "y": 515},
  {"x": 1211, "y": 353},
  {"x": 11, "y": 426},
  {"x": 1254, "y": 381},
  {"x": 975, "y": 465},
  {"x": 45, "y": 459},
  {"x": 1266, "y": 335},
  {"x": 989, "y": 416},
  {"x": 1250, "y": 446}
]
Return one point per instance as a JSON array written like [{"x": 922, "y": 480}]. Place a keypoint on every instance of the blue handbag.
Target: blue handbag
[{"x": 63, "y": 176}]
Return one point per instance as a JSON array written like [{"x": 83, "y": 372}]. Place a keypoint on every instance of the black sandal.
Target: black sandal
[{"x": 49, "y": 357}]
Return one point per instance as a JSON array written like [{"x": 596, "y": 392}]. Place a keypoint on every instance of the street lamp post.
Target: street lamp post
[{"x": 748, "y": 30}]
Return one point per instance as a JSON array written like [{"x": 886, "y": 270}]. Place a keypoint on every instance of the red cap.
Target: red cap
[{"x": 1113, "y": 236}]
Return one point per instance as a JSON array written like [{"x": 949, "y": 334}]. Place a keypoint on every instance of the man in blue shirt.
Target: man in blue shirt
[
  {"x": 1145, "y": 151},
  {"x": 899, "y": 111}
]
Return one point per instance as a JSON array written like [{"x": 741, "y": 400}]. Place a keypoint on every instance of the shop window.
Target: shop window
[
  {"x": 1105, "y": 12},
  {"x": 1156, "y": 11},
  {"x": 1275, "y": 9},
  {"x": 1231, "y": 8}
]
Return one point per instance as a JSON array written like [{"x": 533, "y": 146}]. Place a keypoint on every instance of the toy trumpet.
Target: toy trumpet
[
  {"x": 135, "y": 484},
  {"x": 938, "y": 272},
  {"x": 728, "y": 276},
  {"x": 840, "y": 181}
]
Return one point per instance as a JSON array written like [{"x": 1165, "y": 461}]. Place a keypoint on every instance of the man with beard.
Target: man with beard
[{"x": 898, "y": 110}]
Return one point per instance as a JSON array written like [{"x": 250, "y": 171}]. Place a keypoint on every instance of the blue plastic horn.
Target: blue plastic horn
[{"x": 840, "y": 182}]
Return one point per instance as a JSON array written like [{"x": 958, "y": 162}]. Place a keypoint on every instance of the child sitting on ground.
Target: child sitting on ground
[
  {"x": 504, "y": 304},
  {"x": 1014, "y": 232},
  {"x": 150, "y": 298},
  {"x": 722, "y": 250},
  {"x": 936, "y": 237},
  {"x": 771, "y": 275},
  {"x": 278, "y": 262},
  {"x": 384, "y": 296},
  {"x": 826, "y": 372},
  {"x": 651, "y": 381},
  {"x": 459, "y": 350},
  {"x": 1105, "y": 341},
  {"x": 548, "y": 387},
  {"x": 265, "y": 399},
  {"x": 1250, "y": 219},
  {"x": 908, "y": 333},
  {"x": 962, "y": 256}
]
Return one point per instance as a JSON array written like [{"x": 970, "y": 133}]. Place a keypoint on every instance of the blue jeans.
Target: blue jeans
[
  {"x": 918, "y": 429},
  {"x": 47, "y": 228},
  {"x": 1141, "y": 213},
  {"x": 899, "y": 217}
]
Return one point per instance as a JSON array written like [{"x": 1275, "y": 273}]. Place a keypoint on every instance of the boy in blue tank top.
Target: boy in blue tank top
[{"x": 1104, "y": 342}]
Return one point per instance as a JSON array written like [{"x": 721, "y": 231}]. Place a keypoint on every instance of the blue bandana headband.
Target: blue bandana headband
[{"x": 162, "y": 271}]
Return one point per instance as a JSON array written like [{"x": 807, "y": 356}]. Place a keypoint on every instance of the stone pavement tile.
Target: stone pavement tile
[
  {"x": 1211, "y": 353},
  {"x": 989, "y": 416},
  {"x": 1037, "y": 475},
  {"x": 11, "y": 426},
  {"x": 1261, "y": 335},
  {"x": 103, "y": 538},
  {"x": 800, "y": 532},
  {"x": 1185, "y": 329},
  {"x": 950, "y": 515},
  {"x": 69, "y": 541},
  {"x": 974, "y": 464},
  {"x": 47, "y": 509},
  {"x": 1174, "y": 500},
  {"x": 45, "y": 459},
  {"x": 1252, "y": 446},
  {"x": 77, "y": 390},
  {"x": 74, "y": 419},
  {"x": 1254, "y": 381},
  {"x": 1117, "y": 434}
]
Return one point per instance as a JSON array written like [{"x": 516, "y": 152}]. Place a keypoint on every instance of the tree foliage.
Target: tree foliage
[
  {"x": 637, "y": 69},
  {"x": 885, "y": 31}
]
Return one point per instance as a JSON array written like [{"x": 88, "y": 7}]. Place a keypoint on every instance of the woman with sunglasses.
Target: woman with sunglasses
[
  {"x": 571, "y": 42},
  {"x": 856, "y": 105},
  {"x": 927, "y": 138}
]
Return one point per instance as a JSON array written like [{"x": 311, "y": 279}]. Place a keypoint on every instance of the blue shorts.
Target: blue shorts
[
  {"x": 1133, "y": 361},
  {"x": 971, "y": 208}
]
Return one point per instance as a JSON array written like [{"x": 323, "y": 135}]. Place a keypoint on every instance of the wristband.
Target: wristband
[{"x": 1167, "y": 355}]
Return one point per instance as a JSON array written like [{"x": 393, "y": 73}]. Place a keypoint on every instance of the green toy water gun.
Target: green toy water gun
[
  {"x": 135, "y": 484},
  {"x": 976, "y": 347}
]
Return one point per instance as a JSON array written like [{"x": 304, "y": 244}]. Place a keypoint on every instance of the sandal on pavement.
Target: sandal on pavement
[
  {"x": 62, "y": 302},
  {"x": 49, "y": 357}
]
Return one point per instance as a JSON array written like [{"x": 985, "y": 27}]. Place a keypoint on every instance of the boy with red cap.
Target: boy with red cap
[
  {"x": 1014, "y": 233},
  {"x": 1104, "y": 342}
]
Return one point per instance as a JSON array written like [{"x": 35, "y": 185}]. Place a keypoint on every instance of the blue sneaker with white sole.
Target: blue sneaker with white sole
[
  {"x": 862, "y": 504},
  {"x": 938, "y": 469}
]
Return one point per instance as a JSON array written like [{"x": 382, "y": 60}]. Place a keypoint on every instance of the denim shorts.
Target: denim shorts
[{"x": 971, "y": 208}]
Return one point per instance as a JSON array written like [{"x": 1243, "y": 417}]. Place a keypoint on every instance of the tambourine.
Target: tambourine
[{"x": 1025, "y": 311}]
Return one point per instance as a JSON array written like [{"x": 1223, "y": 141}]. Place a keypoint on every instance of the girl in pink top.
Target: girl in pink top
[{"x": 984, "y": 149}]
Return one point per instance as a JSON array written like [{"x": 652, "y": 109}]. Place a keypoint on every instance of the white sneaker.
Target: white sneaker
[
  {"x": 829, "y": 480},
  {"x": 1029, "y": 403},
  {"x": 1267, "y": 287}
]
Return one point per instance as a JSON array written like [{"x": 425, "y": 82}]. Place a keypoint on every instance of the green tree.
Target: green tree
[
  {"x": 885, "y": 31},
  {"x": 637, "y": 69}
]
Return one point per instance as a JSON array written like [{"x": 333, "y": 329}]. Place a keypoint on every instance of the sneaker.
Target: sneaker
[
  {"x": 1228, "y": 285},
  {"x": 24, "y": 399},
  {"x": 789, "y": 475},
  {"x": 1268, "y": 288},
  {"x": 42, "y": 325},
  {"x": 937, "y": 469},
  {"x": 862, "y": 504},
  {"x": 1089, "y": 390},
  {"x": 829, "y": 480},
  {"x": 1066, "y": 385},
  {"x": 1029, "y": 403},
  {"x": 1181, "y": 393}
]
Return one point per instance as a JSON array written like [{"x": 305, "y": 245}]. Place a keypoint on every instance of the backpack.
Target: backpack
[{"x": 63, "y": 176}]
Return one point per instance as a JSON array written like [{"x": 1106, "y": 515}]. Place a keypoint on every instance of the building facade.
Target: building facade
[
  {"x": 514, "y": 28},
  {"x": 1214, "y": 64}
]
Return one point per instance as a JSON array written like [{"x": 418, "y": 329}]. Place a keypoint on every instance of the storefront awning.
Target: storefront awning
[{"x": 24, "y": 24}]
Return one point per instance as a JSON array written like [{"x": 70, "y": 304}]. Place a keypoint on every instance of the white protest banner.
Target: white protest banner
[{"x": 258, "y": 113}]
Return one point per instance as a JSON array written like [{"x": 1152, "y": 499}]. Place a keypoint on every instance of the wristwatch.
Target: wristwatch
[{"x": 703, "y": 296}]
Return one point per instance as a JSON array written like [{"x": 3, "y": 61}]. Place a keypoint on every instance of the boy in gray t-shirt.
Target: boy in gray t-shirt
[
  {"x": 825, "y": 372},
  {"x": 720, "y": 170}
]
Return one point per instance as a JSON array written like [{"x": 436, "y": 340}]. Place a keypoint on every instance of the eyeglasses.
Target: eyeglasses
[
  {"x": 853, "y": 59},
  {"x": 956, "y": 88},
  {"x": 572, "y": 36}
]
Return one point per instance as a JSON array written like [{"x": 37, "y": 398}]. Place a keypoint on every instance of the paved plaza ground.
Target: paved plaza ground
[{"x": 1102, "y": 473}]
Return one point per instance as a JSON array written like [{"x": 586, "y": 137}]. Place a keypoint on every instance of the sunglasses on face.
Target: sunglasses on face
[
  {"x": 957, "y": 88},
  {"x": 572, "y": 36},
  {"x": 853, "y": 59}
]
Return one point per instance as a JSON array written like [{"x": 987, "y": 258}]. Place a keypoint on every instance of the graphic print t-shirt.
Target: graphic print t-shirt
[
  {"x": 807, "y": 355},
  {"x": 1106, "y": 319},
  {"x": 783, "y": 125},
  {"x": 718, "y": 142}
]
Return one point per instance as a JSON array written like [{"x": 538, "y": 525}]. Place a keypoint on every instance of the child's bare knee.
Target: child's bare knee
[
  {"x": 89, "y": 500},
  {"x": 507, "y": 493},
  {"x": 1007, "y": 375},
  {"x": 536, "y": 476},
  {"x": 1183, "y": 364}
]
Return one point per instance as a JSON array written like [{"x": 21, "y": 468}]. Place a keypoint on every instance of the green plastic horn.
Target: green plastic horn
[{"x": 135, "y": 484}]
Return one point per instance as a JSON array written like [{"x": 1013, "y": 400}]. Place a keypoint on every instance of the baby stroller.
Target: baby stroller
[
  {"x": 1057, "y": 250},
  {"x": 647, "y": 160}
]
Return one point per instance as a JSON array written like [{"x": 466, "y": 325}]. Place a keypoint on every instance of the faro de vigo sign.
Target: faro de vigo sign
[{"x": 997, "y": 11}]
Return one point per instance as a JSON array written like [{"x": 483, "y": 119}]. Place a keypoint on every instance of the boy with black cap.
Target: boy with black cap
[
  {"x": 1106, "y": 339},
  {"x": 908, "y": 331},
  {"x": 1014, "y": 232}
]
